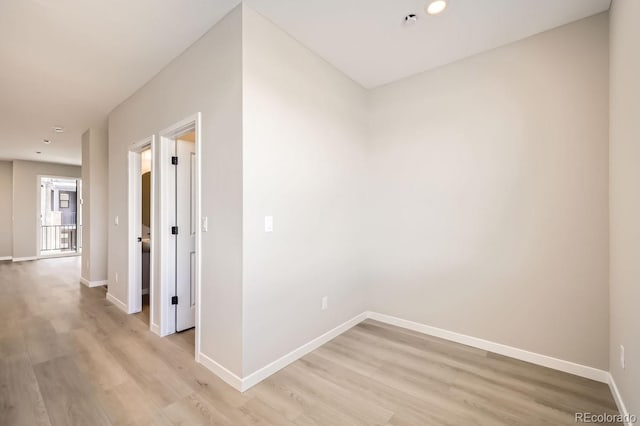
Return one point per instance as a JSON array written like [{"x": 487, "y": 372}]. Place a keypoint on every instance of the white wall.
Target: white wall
[
  {"x": 206, "y": 78},
  {"x": 489, "y": 189},
  {"x": 6, "y": 219},
  {"x": 625, "y": 198},
  {"x": 304, "y": 136},
  {"x": 95, "y": 163},
  {"x": 26, "y": 217}
]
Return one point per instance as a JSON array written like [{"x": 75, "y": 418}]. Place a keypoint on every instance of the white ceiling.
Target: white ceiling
[
  {"x": 368, "y": 41},
  {"x": 70, "y": 62}
]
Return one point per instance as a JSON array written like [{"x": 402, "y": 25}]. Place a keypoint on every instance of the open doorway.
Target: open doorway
[
  {"x": 60, "y": 227},
  {"x": 179, "y": 229},
  {"x": 145, "y": 224},
  {"x": 183, "y": 214},
  {"x": 164, "y": 227},
  {"x": 141, "y": 208}
]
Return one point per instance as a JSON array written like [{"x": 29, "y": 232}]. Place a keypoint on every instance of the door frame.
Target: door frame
[
  {"x": 134, "y": 229},
  {"x": 167, "y": 286},
  {"x": 79, "y": 205}
]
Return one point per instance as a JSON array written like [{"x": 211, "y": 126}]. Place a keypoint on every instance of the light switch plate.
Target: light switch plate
[
  {"x": 205, "y": 224},
  {"x": 268, "y": 224}
]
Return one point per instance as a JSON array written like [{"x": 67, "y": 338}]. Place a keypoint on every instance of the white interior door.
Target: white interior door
[{"x": 186, "y": 238}]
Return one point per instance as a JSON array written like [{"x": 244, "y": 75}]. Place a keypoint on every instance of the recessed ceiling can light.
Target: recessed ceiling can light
[
  {"x": 38, "y": 152},
  {"x": 46, "y": 141},
  {"x": 58, "y": 129},
  {"x": 435, "y": 7}
]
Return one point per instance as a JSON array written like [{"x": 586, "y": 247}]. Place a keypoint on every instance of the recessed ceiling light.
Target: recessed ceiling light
[
  {"x": 46, "y": 141},
  {"x": 38, "y": 152},
  {"x": 58, "y": 129},
  {"x": 435, "y": 7}
]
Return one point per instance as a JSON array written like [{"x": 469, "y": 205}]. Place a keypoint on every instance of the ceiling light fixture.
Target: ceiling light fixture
[
  {"x": 38, "y": 152},
  {"x": 58, "y": 129},
  {"x": 46, "y": 141},
  {"x": 435, "y": 7}
]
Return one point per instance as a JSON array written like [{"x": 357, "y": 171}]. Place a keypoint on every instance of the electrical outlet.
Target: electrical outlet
[
  {"x": 622, "y": 363},
  {"x": 116, "y": 277},
  {"x": 325, "y": 303}
]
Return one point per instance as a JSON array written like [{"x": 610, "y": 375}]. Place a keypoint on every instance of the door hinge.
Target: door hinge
[
  {"x": 174, "y": 161},
  {"x": 174, "y": 300},
  {"x": 174, "y": 230}
]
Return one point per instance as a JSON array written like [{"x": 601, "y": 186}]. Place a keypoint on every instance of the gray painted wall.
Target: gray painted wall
[
  {"x": 6, "y": 212},
  {"x": 487, "y": 185},
  {"x": 304, "y": 139},
  {"x": 206, "y": 78},
  {"x": 95, "y": 168},
  {"x": 625, "y": 199},
  {"x": 489, "y": 193},
  {"x": 25, "y": 202}
]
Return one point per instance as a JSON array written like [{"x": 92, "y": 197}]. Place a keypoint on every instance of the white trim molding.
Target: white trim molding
[
  {"x": 520, "y": 354},
  {"x": 155, "y": 328},
  {"x": 120, "y": 304},
  {"x": 24, "y": 259},
  {"x": 59, "y": 255},
  {"x": 93, "y": 284},
  {"x": 243, "y": 384},
  {"x": 617, "y": 397},
  {"x": 134, "y": 226},
  {"x": 229, "y": 377},
  {"x": 6, "y": 258},
  {"x": 277, "y": 365}
]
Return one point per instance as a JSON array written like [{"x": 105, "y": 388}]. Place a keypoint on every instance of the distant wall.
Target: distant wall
[
  {"x": 6, "y": 212},
  {"x": 25, "y": 202}
]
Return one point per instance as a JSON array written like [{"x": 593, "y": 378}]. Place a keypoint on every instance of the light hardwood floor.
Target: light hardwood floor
[{"x": 69, "y": 357}]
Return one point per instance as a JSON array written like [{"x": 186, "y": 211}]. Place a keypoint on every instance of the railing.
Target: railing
[{"x": 59, "y": 238}]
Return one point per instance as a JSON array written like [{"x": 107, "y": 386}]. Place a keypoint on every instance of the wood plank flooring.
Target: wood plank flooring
[{"x": 69, "y": 357}]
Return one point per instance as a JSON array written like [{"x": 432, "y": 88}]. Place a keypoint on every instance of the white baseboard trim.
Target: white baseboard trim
[
  {"x": 155, "y": 328},
  {"x": 93, "y": 283},
  {"x": 6, "y": 258},
  {"x": 266, "y": 371},
  {"x": 220, "y": 371},
  {"x": 622, "y": 408},
  {"x": 58, "y": 255},
  {"x": 24, "y": 259},
  {"x": 123, "y": 306},
  {"x": 243, "y": 384},
  {"x": 521, "y": 354}
]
